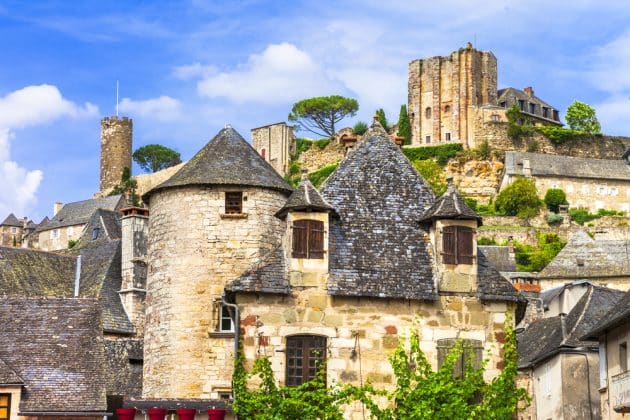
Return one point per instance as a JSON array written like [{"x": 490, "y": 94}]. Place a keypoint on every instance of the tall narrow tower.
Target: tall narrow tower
[{"x": 116, "y": 139}]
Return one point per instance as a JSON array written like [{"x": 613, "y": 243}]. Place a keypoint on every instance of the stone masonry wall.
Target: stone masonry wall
[
  {"x": 116, "y": 144},
  {"x": 277, "y": 141},
  {"x": 314, "y": 158},
  {"x": 134, "y": 268},
  {"x": 193, "y": 251},
  {"x": 148, "y": 181}
]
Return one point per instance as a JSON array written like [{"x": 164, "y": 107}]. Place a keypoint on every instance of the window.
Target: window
[
  {"x": 54, "y": 234},
  {"x": 457, "y": 245},
  {"x": 532, "y": 108},
  {"x": 545, "y": 112},
  {"x": 225, "y": 320},
  {"x": 234, "y": 202},
  {"x": 13, "y": 230},
  {"x": 70, "y": 231},
  {"x": 447, "y": 109},
  {"x": 495, "y": 117},
  {"x": 305, "y": 354},
  {"x": 447, "y": 136},
  {"x": 623, "y": 356},
  {"x": 95, "y": 232},
  {"x": 472, "y": 353},
  {"x": 5, "y": 406},
  {"x": 427, "y": 112},
  {"x": 521, "y": 104},
  {"x": 428, "y": 139},
  {"x": 556, "y": 116},
  {"x": 263, "y": 153},
  {"x": 308, "y": 239},
  {"x": 503, "y": 104}
]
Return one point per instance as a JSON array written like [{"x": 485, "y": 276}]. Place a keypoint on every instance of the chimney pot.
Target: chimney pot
[{"x": 529, "y": 91}]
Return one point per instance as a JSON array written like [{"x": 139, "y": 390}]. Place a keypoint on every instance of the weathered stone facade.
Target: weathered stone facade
[
  {"x": 194, "y": 249},
  {"x": 116, "y": 145},
  {"x": 275, "y": 143},
  {"x": 56, "y": 239},
  {"x": 442, "y": 90},
  {"x": 314, "y": 158}
]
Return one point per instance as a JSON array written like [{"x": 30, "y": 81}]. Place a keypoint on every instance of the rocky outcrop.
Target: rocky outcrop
[{"x": 477, "y": 179}]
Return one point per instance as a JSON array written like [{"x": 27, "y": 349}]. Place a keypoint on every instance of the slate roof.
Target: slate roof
[
  {"x": 9, "y": 376},
  {"x": 227, "y": 159},
  {"x": 618, "y": 315},
  {"x": 450, "y": 205},
  {"x": 520, "y": 94},
  {"x": 304, "y": 198},
  {"x": 11, "y": 220},
  {"x": 499, "y": 256},
  {"x": 585, "y": 258},
  {"x": 78, "y": 213},
  {"x": 491, "y": 285},
  {"x": 548, "y": 336},
  {"x": 63, "y": 340},
  {"x": 267, "y": 276},
  {"x": 544, "y": 165}
]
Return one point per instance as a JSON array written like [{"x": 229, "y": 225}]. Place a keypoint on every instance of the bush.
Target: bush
[
  {"x": 555, "y": 197},
  {"x": 486, "y": 241},
  {"x": 582, "y": 215},
  {"x": 404, "y": 125},
  {"x": 441, "y": 153},
  {"x": 520, "y": 198},
  {"x": 471, "y": 202},
  {"x": 360, "y": 128},
  {"x": 301, "y": 145},
  {"x": 559, "y": 135},
  {"x": 432, "y": 172},
  {"x": 319, "y": 176},
  {"x": 554, "y": 218},
  {"x": 486, "y": 210},
  {"x": 530, "y": 258},
  {"x": 484, "y": 151},
  {"x": 322, "y": 143}
]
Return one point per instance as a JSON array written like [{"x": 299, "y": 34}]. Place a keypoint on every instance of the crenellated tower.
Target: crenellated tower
[{"x": 116, "y": 143}]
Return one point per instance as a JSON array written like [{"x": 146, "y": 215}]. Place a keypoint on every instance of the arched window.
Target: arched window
[
  {"x": 457, "y": 245},
  {"x": 263, "y": 153},
  {"x": 305, "y": 354},
  {"x": 427, "y": 112},
  {"x": 447, "y": 109},
  {"x": 308, "y": 239}
]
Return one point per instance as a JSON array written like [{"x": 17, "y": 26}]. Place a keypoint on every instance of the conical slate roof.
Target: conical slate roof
[
  {"x": 11, "y": 220},
  {"x": 450, "y": 206},
  {"x": 304, "y": 198},
  {"x": 227, "y": 159}
]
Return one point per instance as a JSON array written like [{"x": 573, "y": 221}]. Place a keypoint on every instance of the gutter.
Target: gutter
[
  {"x": 77, "y": 277},
  {"x": 65, "y": 413}
]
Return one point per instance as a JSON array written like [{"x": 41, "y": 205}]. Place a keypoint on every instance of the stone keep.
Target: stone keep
[
  {"x": 195, "y": 247},
  {"x": 116, "y": 141},
  {"x": 443, "y": 90},
  {"x": 275, "y": 143}
]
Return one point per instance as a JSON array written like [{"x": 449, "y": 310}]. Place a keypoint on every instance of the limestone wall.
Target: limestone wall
[
  {"x": 314, "y": 158},
  {"x": 116, "y": 144},
  {"x": 193, "y": 251},
  {"x": 362, "y": 332},
  {"x": 49, "y": 241},
  {"x": 147, "y": 181},
  {"x": 275, "y": 143}
]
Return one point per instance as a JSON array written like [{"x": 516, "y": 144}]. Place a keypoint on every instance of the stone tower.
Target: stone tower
[
  {"x": 443, "y": 90},
  {"x": 116, "y": 140},
  {"x": 275, "y": 143},
  {"x": 208, "y": 223}
]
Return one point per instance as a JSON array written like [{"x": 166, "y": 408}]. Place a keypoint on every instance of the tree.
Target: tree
[
  {"x": 128, "y": 186},
  {"x": 382, "y": 119},
  {"x": 404, "y": 125},
  {"x": 319, "y": 115},
  {"x": 581, "y": 116},
  {"x": 520, "y": 198},
  {"x": 155, "y": 157},
  {"x": 554, "y": 197},
  {"x": 360, "y": 128}
]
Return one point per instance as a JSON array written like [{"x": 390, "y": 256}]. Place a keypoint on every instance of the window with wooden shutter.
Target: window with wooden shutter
[
  {"x": 234, "y": 202},
  {"x": 457, "y": 245},
  {"x": 472, "y": 352},
  {"x": 305, "y": 355},
  {"x": 308, "y": 239}
]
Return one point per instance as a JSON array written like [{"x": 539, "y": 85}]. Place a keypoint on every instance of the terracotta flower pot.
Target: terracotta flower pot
[
  {"x": 216, "y": 414},
  {"x": 125, "y": 413},
  {"x": 186, "y": 413}
]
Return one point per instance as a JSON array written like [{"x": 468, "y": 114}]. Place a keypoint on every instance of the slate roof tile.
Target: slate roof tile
[
  {"x": 267, "y": 276},
  {"x": 79, "y": 212},
  {"x": 304, "y": 198},
  {"x": 11, "y": 220},
  {"x": 492, "y": 286},
  {"x": 9, "y": 376},
  {"x": 450, "y": 205},
  {"x": 616, "y": 316}
]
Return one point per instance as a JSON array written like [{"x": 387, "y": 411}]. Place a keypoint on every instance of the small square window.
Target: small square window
[
  {"x": 447, "y": 136},
  {"x": 234, "y": 202},
  {"x": 54, "y": 234},
  {"x": 225, "y": 320},
  {"x": 13, "y": 230},
  {"x": 428, "y": 139}
]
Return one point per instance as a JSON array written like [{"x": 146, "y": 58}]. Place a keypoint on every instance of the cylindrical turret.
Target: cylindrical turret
[{"x": 116, "y": 141}]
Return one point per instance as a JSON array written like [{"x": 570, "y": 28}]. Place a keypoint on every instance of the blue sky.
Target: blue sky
[{"x": 187, "y": 68}]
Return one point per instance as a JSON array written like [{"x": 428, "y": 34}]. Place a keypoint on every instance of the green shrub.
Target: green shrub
[
  {"x": 555, "y": 197},
  {"x": 559, "y": 135},
  {"x": 432, "y": 172},
  {"x": 486, "y": 241},
  {"x": 322, "y": 143},
  {"x": 533, "y": 146},
  {"x": 301, "y": 146},
  {"x": 382, "y": 119},
  {"x": 486, "y": 210},
  {"x": 441, "y": 153},
  {"x": 581, "y": 215},
  {"x": 520, "y": 198},
  {"x": 319, "y": 176},
  {"x": 530, "y": 258},
  {"x": 404, "y": 125},
  {"x": 484, "y": 151},
  {"x": 554, "y": 218},
  {"x": 360, "y": 128},
  {"x": 72, "y": 243},
  {"x": 471, "y": 202}
]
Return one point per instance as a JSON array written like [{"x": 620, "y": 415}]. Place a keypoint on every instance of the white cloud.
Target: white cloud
[
  {"x": 29, "y": 106},
  {"x": 281, "y": 73},
  {"x": 193, "y": 71},
  {"x": 610, "y": 65},
  {"x": 163, "y": 108}
]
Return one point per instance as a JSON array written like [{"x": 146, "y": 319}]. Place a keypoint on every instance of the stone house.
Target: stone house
[
  {"x": 603, "y": 262},
  {"x": 52, "y": 360},
  {"x": 613, "y": 334},
  {"x": 275, "y": 143},
  {"x": 12, "y": 230},
  {"x": 70, "y": 219},
  {"x": 588, "y": 183},
  {"x": 529, "y": 104},
  {"x": 301, "y": 275},
  {"x": 560, "y": 366}
]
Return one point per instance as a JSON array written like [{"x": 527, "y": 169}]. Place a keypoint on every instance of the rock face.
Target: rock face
[
  {"x": 314, "y": 158},
  {"x": 476, "y": 179}
]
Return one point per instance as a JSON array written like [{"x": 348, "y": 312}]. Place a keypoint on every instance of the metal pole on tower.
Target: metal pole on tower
[{"x": 116, "y": 97}]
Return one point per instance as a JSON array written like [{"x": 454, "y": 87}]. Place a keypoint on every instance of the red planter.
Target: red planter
[
  {"x": 156, "y": 413},
  {"x": 125, "y": 413},
  {"x": 186, "y": 413},
  {"x": 216, "y": 414}
]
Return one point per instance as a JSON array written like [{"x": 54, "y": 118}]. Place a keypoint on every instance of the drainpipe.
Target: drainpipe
[
  {"x": 236, "y": 318},
  {"x": 77, "y": 277}
]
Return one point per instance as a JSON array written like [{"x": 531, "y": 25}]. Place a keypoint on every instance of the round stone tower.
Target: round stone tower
[
  {"x": 116, "y": 139},
  {"x": 209, "y": 223}
]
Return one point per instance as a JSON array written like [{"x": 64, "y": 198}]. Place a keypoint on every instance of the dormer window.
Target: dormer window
[
  {"x": 95, "y": 233},
  {"x": 308, "y": 239},
  {"x": 457, "y": 245},
  {"x": 234, "y": 202}
]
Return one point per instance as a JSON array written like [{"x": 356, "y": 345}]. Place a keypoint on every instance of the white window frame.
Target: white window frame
[
  {"x": 54, "y": 234},
  {"x": 224, "y": 317},
  {"x": 70, "y": 231}
]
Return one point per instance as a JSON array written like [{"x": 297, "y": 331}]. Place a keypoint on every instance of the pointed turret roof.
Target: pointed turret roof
[
  {"x": 11, "y": 220},
  {"x": 304, "y": 198},
  {"x": 450, "y": 206},
  {"x": 227, "y": 159}
]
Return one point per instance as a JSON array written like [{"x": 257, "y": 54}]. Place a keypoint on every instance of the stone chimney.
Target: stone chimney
[
  {"x": 529, "y": 91},
  {"x": 135, "y": 229},
  {"x": 58, "y": 205}
]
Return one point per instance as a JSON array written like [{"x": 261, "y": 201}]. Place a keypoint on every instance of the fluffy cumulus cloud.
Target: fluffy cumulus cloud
[
  {"x": 29, "y": 106},
  {"x": 163, "y": 108},
  {"x": 281, "y": 73}
]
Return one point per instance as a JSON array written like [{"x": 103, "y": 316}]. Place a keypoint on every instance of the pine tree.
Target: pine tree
[{"x": 404, "y": 125}]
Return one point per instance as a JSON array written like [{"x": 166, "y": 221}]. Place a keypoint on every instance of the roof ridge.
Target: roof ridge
[{"x": 581, "y": 316}]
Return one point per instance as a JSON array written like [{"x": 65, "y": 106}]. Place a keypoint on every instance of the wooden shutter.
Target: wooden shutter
[
  {"x": 300, "y": 239},
  {"x": 234, "y": 202},
  {"x": 464, "y": 245},
  {"x": 449, "y": 248},
  {"x": 315, "y": 239}
]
